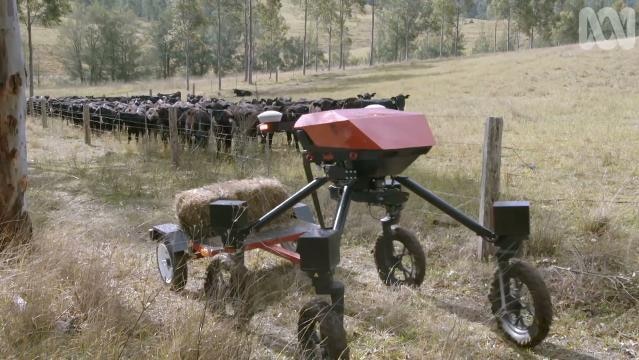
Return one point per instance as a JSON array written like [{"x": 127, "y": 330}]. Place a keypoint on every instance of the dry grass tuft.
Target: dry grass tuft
[
  {"x": 15, "y": 233},
  {"x": 548, "y": 233},
  {"x": 598, "y": 222}
]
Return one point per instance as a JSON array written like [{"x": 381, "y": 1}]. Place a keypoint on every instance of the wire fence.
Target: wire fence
[
  {"x": 255, "y": 152},
  {"x": 230, "y": 143}
]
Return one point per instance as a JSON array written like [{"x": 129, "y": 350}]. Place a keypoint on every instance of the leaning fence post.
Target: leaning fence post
[
  {"x": 490, "y": 173},
  {"x": 43, "y": 109},
  {"x": 86, "y": 119},
  {"x": 173, "y": 136}
]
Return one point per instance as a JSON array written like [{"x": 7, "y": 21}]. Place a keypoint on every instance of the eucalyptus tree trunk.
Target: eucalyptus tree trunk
[
  {"x": 397, "y": 40},
  {"x": 219, "y": 46},
  {"x": 188, "y": 64},
  {"x": 508, "y": 31},
  {"x": 330, "y": 45},
  {"x": 406, "y": 42},
  {"x": 251, "y": 44},
  {"x": 304, "y": 49},
  {"x": 246, "y": 41},
  {"x": 532, "y": 36},
  {"x": 457, "y": 31},
  {"x": 316, "y": 43},
  {"x": 15, "y": 225},
  {"x": 441, "y": 38},
  {"x": 495, "y": 48},
  {"x": 371, "y": 61},
  {"x": 341, "y": 34},
  {"x": 29, "y": 24}
]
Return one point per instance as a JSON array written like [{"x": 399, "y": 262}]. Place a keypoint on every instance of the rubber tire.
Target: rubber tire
[
  {"x": 180, "y": 270},
  {"x": 181, "y": 274},
  {"x": 384, "y": 261},
  {"x": 331, "y": 342},
  {"x": 529, "y": 276},
  {"x": 235, "y": 290}
]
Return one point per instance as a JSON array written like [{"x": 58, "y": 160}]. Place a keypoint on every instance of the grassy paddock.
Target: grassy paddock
[{"x": 569, "y": 145}]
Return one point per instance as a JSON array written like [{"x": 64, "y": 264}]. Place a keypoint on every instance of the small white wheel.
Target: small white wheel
[{"x": 172, "y": 267}]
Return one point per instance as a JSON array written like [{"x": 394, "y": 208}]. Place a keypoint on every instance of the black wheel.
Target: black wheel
[
  {"x": 400, "y": 260},
  {"x": 225, "y": 285},
  {"x": 320, "y": 332},
  {"x": 172, "y": 267},
  {"x": 527, "y": 314}
]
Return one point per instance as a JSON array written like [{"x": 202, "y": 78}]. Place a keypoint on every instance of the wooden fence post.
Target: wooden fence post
[
  {"x": 173, "y": 136},
  {"x": 150, "y": 92},
  {"x": 44, "y": 106},
  {"x": 267, "y": 149},
  {"x": 86, "y": 122},
  {"x": 491, "y": 167},
  {"x": 31, "y": 107}
]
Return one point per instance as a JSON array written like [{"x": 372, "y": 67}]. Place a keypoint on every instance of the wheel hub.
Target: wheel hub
[{"x": 165, "y": 263}]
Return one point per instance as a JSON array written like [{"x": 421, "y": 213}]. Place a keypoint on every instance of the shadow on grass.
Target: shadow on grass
[{"x": 546, "y": 348}]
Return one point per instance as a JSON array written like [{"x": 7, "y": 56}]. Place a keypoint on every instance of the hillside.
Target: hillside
[
  {"x": 51, "y": 70},
  {"x": 570, "y": 144}
]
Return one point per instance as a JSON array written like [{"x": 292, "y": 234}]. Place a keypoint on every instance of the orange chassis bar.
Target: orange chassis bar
[{"x": 272, "y": 245}]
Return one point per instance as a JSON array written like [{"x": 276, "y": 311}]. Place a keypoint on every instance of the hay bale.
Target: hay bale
[{"x": 261, "y": 195}]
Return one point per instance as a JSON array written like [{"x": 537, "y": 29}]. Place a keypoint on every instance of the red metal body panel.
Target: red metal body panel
[{"x": 367, "y": 129}]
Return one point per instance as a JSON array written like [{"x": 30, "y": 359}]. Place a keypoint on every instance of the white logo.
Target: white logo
[{"x": 588, "y": 20}]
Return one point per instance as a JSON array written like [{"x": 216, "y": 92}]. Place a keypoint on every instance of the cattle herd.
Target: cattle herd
[{"x": 198, "y": 118}]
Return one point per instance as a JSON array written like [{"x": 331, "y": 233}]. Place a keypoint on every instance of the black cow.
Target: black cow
[
  {"x": 242, "y": 93},
  {"x": 324, "y": 104},
  {"x": 223, "y": 129},
  {"x": 366, "y": 96},
  {"x": 291, "y": 114},
  {"x": 400, "y": 101},
  {"x": 196, "y": 124},
  {"x": 134, "y": 122}
]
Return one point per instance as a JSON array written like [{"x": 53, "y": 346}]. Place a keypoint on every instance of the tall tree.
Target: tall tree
[
  {"x": 14, "y": 219},
  {"x": 304, "y": 50},
  {"x": 402, "y": 21},
  {"x": 534, "y": 14},
  {"x": 371, "y": 60},
  {"x": 444, "y": 13},
  {"x": 567, "y": 21},
  {"x": 223, "y": 35},
  {"x": 219, "y": 46},
  {"x": 164, "y": 43},
  {"x": 45, "y": 13},
  {"x": 327, "y": 10},
  {"x": 71, "y": 40},
  {"x": 346, "y": 13},
  {"x": 188, "y": 19},
  {"x": 273, "y": 33},
  {"x": 251, "y": 43},
  {"x": 246, "y": 40}
]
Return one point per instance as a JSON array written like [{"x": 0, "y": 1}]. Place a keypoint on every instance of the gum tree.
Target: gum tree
[{"x": 14, "y": 219}]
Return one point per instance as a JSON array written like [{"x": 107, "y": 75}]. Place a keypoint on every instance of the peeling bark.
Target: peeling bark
[{"x": 15, "y": 225}]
